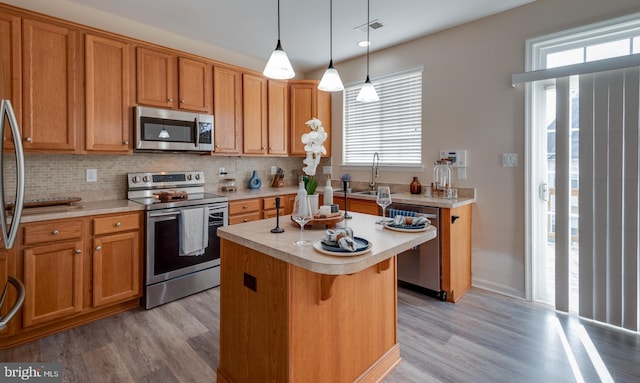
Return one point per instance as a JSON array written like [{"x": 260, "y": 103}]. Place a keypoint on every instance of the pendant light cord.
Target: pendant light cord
[
  {"x": 279, "y": 21},
  {"x": 368, "y": 40},
  {"x": 330, "y": 30}
]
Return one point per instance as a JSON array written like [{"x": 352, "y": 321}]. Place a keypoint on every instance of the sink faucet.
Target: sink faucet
[{"x": 374, "y": 165}]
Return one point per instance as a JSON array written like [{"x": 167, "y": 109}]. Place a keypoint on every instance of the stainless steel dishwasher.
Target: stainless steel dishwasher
[{"x": 419, "y": 267}]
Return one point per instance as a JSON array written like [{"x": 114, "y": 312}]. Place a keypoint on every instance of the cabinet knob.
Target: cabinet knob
[
  {"x": 78, "y": 251},
  {"x": 118, "y": 224},
  {"x": 245, "y": 220},
  {"x": 170, "y": 100},
  {"x": 217, "y": 146},
  {"x": 263, "y": 148},
  {"x": 28, "y": 139},
  {"x": 182, "y": 101},
  {"x": 55, "y": 232},
  {"x": 98, "y": 248},
  {"x": 126, "y": 142},
  {"x": 245, "y": 207}
]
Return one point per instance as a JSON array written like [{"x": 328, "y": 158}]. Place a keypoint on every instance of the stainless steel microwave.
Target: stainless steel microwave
[{"x": 172, "y": 130}]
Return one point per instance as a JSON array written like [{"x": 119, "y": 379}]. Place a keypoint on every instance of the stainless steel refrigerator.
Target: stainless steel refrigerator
[{"x": 10, "y": 224}]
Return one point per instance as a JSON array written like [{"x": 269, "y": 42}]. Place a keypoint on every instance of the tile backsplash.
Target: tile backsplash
[{"x": 64, "y": 175}]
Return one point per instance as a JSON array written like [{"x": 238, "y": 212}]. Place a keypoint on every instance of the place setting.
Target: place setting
[
  {"x": 404, "y": 221},
  {"x": 341, "y": 242}
]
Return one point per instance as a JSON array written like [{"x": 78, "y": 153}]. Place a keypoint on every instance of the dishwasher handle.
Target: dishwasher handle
[{"x": 16, "y": 306}]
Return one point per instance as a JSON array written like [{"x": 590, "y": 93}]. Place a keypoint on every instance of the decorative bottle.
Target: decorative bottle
[
  {"x": 328, "y": 193},
  {"x": 415, "y": 187}
]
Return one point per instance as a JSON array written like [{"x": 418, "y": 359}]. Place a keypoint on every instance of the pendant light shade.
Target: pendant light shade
[
  {"x": 279, "y": 67},
  {"x": 331, "y": 81},
  {"x": 368, "y": 91}
]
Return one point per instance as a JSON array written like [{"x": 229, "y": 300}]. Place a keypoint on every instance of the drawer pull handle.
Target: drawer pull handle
[
  {"x": 98, "y": 248},
  {"x": 78, "y": 251},
  {"x": 126, "y": 142},
  {"x": 245, "y": 207},
  {"x": 55, "y": 232},
  {"x": 29, "y": 139},
  {"x": 170, "y": 100},
  {"x": 245, "y": 220},
  {"x": 118, "y": 224}
]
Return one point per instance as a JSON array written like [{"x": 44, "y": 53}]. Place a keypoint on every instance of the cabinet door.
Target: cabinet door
[
  {"x": 107, "y": 98},
  {"x": 53, "y": 282},
  {"x": 7, "y": 268},
  {"x": 358, "y": 205},
  {"x": 194, "y": 85},
  {"x": 456, "y": 251},
  {"x": 116, "y": 268},
  {"x": 307, "y": 102},
  {"x": 10, "y": 71},
  {"x": 50, "y": 83},
  {"x": 155, "y": 78},
  {"x": 254, "y": 116},
  {"x": 278, "y": 132},
  {"x": 303, "y": 101},
  {"x": 227, "y": 110}
]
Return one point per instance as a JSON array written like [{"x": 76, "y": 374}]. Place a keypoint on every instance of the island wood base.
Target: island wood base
[{"x": 282, "y": 323}]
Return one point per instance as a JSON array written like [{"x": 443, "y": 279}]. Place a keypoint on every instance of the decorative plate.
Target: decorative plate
[
  {"x": 363, "y": 247},
  {"x": 407, "y": 228}
]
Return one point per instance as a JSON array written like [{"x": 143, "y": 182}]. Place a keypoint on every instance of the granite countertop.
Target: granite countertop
[
  {"x": 257, "y": 235},
  {"x": 415, "y": 199},
  {"x": 256, "y": 193}
]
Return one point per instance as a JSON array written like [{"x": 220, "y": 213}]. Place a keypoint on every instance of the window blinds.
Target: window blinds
[{"x": 392, "y": 127}]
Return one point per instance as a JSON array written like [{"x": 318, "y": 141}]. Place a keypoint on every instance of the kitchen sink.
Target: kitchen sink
[{"x": 368, "y": 192}]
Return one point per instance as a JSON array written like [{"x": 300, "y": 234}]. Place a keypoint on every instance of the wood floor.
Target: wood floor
[{"x": 484, "y": 337}]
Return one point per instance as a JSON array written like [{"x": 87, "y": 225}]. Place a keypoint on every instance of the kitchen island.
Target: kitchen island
[{"x": 294, "y": 314}]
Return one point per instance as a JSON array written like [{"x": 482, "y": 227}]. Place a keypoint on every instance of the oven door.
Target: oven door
[{"x": 163, "y": 259}]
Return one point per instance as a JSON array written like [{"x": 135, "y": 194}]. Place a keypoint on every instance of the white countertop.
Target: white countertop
[
  {"x": 79, "y": 209},
  {"x": 257, "y": 235}
]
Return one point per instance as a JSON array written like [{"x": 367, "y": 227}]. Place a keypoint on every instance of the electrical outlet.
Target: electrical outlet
[
  {"x": 274, "y": 170},
  {"x": 92, "y": 175},
  {"x": 222, "y": 172}
]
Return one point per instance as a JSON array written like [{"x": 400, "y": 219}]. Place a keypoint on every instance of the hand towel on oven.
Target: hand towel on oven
[{"x": 194, "y": 231}]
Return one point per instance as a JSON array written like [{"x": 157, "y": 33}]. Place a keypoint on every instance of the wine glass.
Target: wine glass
[
  {"x": 302, "y": 215},
  {"x": 384, "y": 198}
]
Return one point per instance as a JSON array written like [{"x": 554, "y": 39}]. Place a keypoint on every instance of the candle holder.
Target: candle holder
[
  {"x": 345, "y": 185},
  {"x": 277, "y": 229}
]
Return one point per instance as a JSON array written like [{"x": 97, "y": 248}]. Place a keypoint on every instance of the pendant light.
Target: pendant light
[
  {"x": 368, "y": 91},
  {"x": 164, "y": 133},
  {"x": 331, "y": 81},
  {"x": 278, "y": 67}
]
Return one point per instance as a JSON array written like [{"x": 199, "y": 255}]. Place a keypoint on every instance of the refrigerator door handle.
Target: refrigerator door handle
[
  {"x": 16, "y": 306},
  {"x": 10, "y": 231}
]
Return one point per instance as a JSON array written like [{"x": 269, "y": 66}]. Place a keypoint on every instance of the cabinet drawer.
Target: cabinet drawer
[
  {"x": 240, "y": 218},
  {"x": 116, "y": 224},
  {"x": 270, "y": 202},
  {"x": 245, "y": 206},
  {"x": 52, "y": 231}
]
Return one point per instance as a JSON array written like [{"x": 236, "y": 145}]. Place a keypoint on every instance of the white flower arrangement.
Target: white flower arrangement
[{"x": 313, "y": 145}]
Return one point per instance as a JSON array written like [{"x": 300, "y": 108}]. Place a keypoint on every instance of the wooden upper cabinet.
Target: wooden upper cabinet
[
  {"x": 10, "y": 61},
  {"x": 306, "y": 101},
  {"x": 50, "y": 79},
  {"x": 107, "y": 94},
  {"x": 155, "y": 78},
  {"x": 278, "y": 135},
  {"x": 227, "y": 110},
  {"x": 254, "y": 117},
  {"x": 194, "y": 90}
]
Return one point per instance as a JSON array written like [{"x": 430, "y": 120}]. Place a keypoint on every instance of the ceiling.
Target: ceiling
[{"x": 249, "y": 27}]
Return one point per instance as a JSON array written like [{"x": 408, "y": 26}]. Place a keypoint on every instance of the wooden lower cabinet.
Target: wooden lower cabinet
[
  {"x": 359, "y": 205},
  {"x": 455, "y": 230},
  {"x": 67, "y": 282},
  {"x": 53, "y": 279},
  {"x": 253, "y": 209}
]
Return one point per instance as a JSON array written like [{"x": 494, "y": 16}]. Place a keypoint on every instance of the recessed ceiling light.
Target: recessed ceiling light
[{"x": 364, "y": 43}]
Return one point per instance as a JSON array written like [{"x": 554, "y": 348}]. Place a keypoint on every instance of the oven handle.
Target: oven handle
[{"x": 155, "y": 215}]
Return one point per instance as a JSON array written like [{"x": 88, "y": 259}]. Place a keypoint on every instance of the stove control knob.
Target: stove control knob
[
  {"x": 190, "y": 177},
  {"x": 135, "y": 179},
  {"x": 145, "y": 179},
  {"x": 198, "y": 176}
]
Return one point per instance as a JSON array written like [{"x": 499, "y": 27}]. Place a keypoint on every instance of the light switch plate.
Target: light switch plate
[{"x": 510, "y": 160}]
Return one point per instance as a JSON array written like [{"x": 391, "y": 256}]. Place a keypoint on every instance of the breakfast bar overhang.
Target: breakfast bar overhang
[{"x": 294, "y": 314}]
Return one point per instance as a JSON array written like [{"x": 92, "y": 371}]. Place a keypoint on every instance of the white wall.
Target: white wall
[{"x": 468, "y": 103}]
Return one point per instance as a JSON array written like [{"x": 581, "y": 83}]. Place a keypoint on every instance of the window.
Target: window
[{"x": 392, "y": 126}]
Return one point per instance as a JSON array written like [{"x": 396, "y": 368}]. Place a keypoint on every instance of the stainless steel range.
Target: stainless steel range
[{"x": 179, "y": 215}]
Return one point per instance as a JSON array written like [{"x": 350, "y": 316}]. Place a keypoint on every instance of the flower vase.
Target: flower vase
[
  {"x": 314, "y": 202},
  {"x": 254, "y": 181}
]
